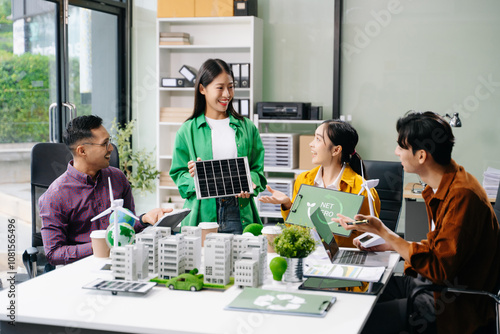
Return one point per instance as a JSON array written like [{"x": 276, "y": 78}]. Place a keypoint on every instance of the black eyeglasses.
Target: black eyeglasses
[{"x": 106, "y": 144}]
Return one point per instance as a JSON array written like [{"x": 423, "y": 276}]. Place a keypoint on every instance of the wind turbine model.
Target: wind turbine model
[
  {"x": 368, "y": 239},
  {"x": 116, "y": 204}
]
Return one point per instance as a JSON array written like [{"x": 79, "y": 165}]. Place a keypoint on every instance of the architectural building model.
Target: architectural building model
[
  {"x": 130, "y": 262},
  {"x": 150, "y": 237},
  {"x": 217, "y": 260},
  {"x": 158, "y": 252},
  {"x": 172, "y": 256}
]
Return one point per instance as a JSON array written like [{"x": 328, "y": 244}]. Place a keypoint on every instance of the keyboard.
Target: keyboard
[{"x": 351, "y": 257}]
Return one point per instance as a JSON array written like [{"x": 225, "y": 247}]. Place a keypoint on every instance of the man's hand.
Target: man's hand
[
  {"x": 154, "y": 215},
  {"x": 277, "y": 197},
  {"x": 192, "y": 166}
]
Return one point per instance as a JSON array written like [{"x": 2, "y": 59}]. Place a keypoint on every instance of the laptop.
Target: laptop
[{"x": 343, "y": 256}]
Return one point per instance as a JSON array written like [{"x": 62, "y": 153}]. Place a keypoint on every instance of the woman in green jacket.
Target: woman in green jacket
[{"x": 216, "y": 131}]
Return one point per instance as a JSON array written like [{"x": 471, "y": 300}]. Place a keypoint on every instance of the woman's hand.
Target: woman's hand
[
  {"x": 192, "y": 166},
  {"x": 246, "y": 194}
]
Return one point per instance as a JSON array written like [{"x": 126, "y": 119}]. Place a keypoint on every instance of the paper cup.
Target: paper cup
[
  {"x": 207, "y": 228},
  {"x": 271, "y": 232},
  {"x": 99, "y": 245}
]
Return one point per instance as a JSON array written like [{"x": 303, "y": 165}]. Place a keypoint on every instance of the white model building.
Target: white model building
[
  {"x": 150, "y": 237},
  {"x": 172, "y": 256},
  {"x": 251, "y": 248},
  {"x": 191, "y": 230},
  {"x": 230, "y": 237},
  {"x": 193, "y": 252},
  {"x": 217, "y": 260},
  {"x": 130, "y": 262},
  {"x": 246, "y": 273}
]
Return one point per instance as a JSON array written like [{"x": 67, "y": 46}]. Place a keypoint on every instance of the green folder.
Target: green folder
[
  {"x": 281, "y": 302},
  {"x": 331, "y": 202}
]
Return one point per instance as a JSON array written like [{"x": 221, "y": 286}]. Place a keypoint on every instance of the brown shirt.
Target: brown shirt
[{"x": 462, "y": 251}]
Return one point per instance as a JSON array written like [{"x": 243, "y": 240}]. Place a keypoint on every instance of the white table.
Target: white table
[{"x": 57, "y": 301}]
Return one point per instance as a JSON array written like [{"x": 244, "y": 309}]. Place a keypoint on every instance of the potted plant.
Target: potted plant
[
  {"x": 138, "y": 166},
  {"x": 294, "y": 244}
]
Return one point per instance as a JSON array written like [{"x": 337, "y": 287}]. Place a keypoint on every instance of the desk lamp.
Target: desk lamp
[{"x": 455, "y": 121}]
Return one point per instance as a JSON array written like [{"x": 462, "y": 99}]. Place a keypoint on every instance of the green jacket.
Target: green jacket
[{"x": 193, "y": 140}]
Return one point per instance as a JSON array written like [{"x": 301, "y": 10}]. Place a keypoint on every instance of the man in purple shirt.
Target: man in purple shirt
[{"x": 82, "y": 192}]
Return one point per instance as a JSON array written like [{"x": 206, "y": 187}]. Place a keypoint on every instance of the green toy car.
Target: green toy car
[{"x": 189, "y": 281}]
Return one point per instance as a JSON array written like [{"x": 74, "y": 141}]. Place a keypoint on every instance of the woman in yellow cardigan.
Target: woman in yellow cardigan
[{"x": 334, "y": 150}]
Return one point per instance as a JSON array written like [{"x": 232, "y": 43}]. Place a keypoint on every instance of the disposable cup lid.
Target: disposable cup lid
[
  {"x": 271, "y": 230},
  {"x": 208, "y": 225},
  {"x": 98, "y": 234}
]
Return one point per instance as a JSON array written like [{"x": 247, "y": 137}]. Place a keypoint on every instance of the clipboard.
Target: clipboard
[
  {"x": 281, "y": 302},
  {"x": 331, "y": 202}
]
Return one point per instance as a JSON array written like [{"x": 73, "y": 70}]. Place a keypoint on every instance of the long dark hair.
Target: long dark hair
[
  {"x": 343, "y": 134},
  {"x": 210, "y": 69}
]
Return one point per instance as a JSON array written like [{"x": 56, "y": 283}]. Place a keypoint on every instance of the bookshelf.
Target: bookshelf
[{"x": 235, "y": 40}]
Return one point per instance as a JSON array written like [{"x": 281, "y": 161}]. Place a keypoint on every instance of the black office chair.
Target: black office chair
[
  {"x": 48, "y": 162},
  {"x": 389, "y": 189},
  {"x": 487, "y": 329}
]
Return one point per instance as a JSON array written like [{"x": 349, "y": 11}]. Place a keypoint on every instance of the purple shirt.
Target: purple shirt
[{"x": 69, "y": 204}]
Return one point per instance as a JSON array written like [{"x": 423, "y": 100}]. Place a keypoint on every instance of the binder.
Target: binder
[
  {"x": 189, "y": 73},
  {"x": 245, "y": 75},
  {"x": 236, "y": 73},
  {"x": 281, "y": 302},
  {"x": 236, "y": 105},
  {"x": 245, "y": 107}
]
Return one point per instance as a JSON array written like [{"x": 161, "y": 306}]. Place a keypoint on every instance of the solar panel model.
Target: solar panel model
[{"x": 222, "y": 178}]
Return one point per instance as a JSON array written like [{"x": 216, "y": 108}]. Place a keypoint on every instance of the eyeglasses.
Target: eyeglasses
[{"x": 107, "y": 144}]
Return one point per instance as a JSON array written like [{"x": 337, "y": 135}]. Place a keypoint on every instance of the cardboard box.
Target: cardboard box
[
  {"x": 305, "y": 156},
  {"x": 175, "y": 8},
  {"x": 208, "y": 8}
]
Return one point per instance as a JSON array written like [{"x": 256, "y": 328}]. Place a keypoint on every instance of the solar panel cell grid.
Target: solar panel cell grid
[{"x": 221, "y": 178}]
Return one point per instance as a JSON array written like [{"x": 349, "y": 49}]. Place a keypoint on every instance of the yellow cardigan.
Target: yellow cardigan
[{"x": 350, "y": 183}]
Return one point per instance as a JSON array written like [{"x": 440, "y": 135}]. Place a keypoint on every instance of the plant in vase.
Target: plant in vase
[{"x": 294, "y": 244}]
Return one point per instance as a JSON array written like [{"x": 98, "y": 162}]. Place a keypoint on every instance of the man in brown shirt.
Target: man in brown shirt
[{"x": 462, "y": 248}]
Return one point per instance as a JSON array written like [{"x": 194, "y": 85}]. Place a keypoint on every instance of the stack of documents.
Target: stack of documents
[
  {"x": 342, "y": 271},
  {"x": 491, "y": 181}
]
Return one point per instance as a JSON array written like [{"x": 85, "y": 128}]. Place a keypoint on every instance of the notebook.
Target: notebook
[
  {"x": 349, "y": 257},
  {"x": 330, "y": 201}
]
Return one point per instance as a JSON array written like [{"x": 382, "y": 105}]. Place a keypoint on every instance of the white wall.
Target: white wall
[
  {"x": 429, "y": 55},
  {"x": 423, "y": 55}
]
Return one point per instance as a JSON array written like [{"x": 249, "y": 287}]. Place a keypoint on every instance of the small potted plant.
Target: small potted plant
[{"x": 294, "y": 244}]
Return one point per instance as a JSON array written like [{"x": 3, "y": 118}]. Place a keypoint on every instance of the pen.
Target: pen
[{"x": 357, "y": 222}]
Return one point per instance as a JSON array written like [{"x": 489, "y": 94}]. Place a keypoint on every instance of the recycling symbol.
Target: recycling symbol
[{"x": 281, "y": 302}]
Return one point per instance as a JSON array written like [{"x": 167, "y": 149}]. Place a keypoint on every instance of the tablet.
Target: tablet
[
  {"x": 339, "y": 285},
  {"x": 172, "y": 219}
]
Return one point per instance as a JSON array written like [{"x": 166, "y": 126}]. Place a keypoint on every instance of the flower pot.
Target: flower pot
[{"x": 295, "y": 270}]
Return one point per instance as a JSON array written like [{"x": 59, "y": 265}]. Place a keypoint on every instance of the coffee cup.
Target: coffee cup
[
  {"x": 207, "y": 228},
  {"x": 271, "y": 232},
  {"x": 99, "y": 245}
]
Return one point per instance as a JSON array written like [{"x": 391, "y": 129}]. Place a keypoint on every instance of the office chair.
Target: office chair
[
  {"x": 389, "y": 189},
  {"x": 48, "y": 162},
  {"x": 488, "y": 328}
]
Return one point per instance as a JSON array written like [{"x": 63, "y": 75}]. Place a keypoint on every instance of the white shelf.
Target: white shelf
[{"x": 233, "y": 39}]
